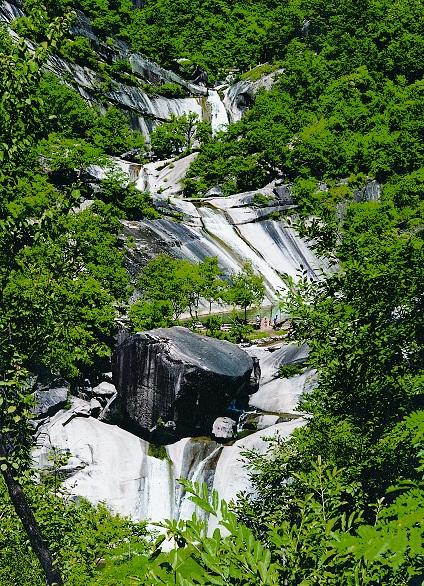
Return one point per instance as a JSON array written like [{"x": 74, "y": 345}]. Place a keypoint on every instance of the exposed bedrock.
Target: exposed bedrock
[
  {"x": 107, "y": 464},
  {"x": 172, "y": 382}
]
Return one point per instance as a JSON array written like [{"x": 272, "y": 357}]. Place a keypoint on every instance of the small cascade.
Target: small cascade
[
  {"x": 162, "y": 108},
  {"x": 159, "y": 490},
  {"x": 229, "y": 228},
  {"x": 217, "y": 112},
  {"x": 203, "y": 473},
  {"x": 216, "y": 225}
]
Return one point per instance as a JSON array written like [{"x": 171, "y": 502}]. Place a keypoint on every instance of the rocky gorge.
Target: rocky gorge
[{"x": 177, "y": 404}]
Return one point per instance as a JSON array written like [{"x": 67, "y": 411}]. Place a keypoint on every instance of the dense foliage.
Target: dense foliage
[
  {"x": 171, "y": 287},
  {"x": 178, "y": 136},
  {"x": 215, "y": 35},
  {"x": 324, "y": 545},
  {"x": 61, "y": 276},
  {"x": 341, "y": 502},
  {"x": 344, "y": 108},
  {"x": 61, "y": 272},
  {"x": 78, "y": 533}
]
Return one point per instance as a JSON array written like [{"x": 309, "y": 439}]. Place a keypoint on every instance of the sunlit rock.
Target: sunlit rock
[{"x": 223, "y": 428}]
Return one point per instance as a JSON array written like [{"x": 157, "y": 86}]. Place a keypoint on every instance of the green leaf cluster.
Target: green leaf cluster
[
  {"x": 170, "y": 287},
  {"x": 177, "y": 136},
  {"x": 78, "y": 533}
]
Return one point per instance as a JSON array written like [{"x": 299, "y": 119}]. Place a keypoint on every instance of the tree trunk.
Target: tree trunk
[{"x": 25, "y": 514}]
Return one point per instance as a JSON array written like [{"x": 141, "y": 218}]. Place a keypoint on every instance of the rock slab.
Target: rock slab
[
  {"x": 174, "y": 380},
  {"x": 49, "y": 401}
]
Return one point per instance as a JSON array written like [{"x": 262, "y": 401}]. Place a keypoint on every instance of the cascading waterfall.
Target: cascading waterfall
[
  {"x": 221, "y": 230},
  {"x": 204, "y": 473},
  {"x": 218, "y": 113},
  {"x": 271, "y": 245},
  {"x": 113, "y": 466},
  {"x": 108, "y": 464},
  {"x": 159, "y": 490}
]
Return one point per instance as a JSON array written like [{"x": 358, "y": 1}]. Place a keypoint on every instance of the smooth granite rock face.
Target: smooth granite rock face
[
  {"x": 104, "y": 389},
  {"x": 178, "y": 381}
]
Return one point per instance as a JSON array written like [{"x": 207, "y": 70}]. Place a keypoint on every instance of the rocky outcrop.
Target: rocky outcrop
[
  {"x": 165, "y": 177},
  {"x": 223, "y": 428},
  {"x": 281, "y": 395},
  {"x": 231, "y": 477},
  {"x": 104, "y": 389},
  {"x": 172, "y": 382},
  {"x": 370, "y": 192},
  {"x": 240, "y": 96},
  {"x": 49, "y": 401},
  {"x": 145, "y": 108},
  {"x": 140, "y": 480},
  {"x": 231, "y": 228}
]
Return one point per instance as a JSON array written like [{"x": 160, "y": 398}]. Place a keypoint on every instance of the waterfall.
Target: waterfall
[
  {"x": 271, "y": 246},
  {"x": 110, "y": 465},
  {"x": 216, "y": 224},
  {"x": 9, "y": 12},
  {"x": 159, "y": 490},
  {"x": 203, "y": 473},
  {"x": 218, "y": 113}
]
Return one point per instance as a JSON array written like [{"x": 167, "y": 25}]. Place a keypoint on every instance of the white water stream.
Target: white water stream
[
  {"x": 218, "y": 113},
  {"x": 108, "y": 464},
  {"x": 112, "y": 466}
]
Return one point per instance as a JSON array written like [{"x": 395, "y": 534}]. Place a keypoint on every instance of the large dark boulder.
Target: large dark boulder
[{"x": 172, "y": 382}]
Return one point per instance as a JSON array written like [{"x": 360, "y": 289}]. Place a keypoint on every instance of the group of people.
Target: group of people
[{"x": 265, "y": 323}]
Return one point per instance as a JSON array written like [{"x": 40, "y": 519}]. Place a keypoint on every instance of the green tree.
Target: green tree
[
  {"x": 113, "y": 134},
  {"x": 20, "y": 127},
  {"x": 69, "y": 157},
  {"x": 160, "y": 280},
  {"x": 127, "y": 201},
  {"x": 180, "y": 283},
  {"x": 212, "y": 286},
  {"x": 177, "y": 135},
  {"x": 60, "y": 272},
  {"x": 147, "y": 315},
  {"x": 245, "y": 288}
]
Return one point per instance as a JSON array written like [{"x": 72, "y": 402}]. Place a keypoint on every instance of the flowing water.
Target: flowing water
[{"x": 106, "y": 463}]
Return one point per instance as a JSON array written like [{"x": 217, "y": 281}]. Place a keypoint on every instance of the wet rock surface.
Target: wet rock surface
[{"x": 173, "y": 380}]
